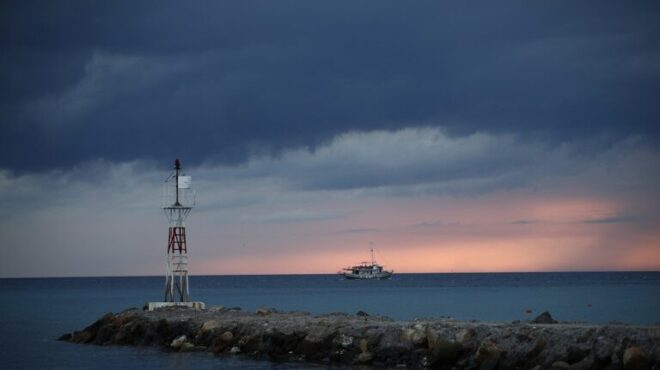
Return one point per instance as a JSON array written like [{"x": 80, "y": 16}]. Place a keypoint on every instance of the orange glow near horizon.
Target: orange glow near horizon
[
  {"x": 523, "y": 255},
  {"x": 498, "y": 233}
]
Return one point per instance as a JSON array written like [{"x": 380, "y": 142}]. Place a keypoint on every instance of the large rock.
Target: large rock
[
  {"x": 390, "y": 348},
  {"x": 544, "y": 318},
  {"x": 106, "y": 334},
  {"x": 443, "y": 351},
  {"x": 83, "y": 336},
  {"x": 364, "y": 345},
  {"x": 227, "y": 336},
  {"x": 466, "y": 335},
  {"x": 319, "y": 334},
  {"x": 222, "y": 342},
  {"x": 344, "y": 348},
  {"x": 575, "y": 353},
  {"x": 343, "y": 341},
  {"x": 209, "y": 325},
  {"x": 537, "y": 348},
  {"x": 634, "y": 358},
  {"x": 603, "y": 348},
  {"x": 317, "y": 342},
  {"x": 158, "y": 332},
  {"x": 415, "y": 335},
  {"x": 249, "y": 343},
  {"x": 488, "y": 352},
  {"x": 365, "y": 357},
  {"x": 132, "y": 332},
  {"x": 178, "y": 342},
  {"x": 88, "y": 334},
  {"x": 279, "y": 345},
  {"x": 104, "y": 320}
]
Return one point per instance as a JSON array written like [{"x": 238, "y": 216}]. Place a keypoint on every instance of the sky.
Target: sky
[{"x": 450, "y": 137}]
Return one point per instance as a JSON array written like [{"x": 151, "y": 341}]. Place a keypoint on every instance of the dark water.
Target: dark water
[{"x": 33, "y": 312}]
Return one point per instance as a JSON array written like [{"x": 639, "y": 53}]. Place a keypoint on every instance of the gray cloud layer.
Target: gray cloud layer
[
  {"x": 222, "y": 81},
  {"x": 103, "y": 217}
]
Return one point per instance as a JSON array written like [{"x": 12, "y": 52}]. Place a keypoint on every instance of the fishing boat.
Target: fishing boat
[{"x": 366, "y": 271}]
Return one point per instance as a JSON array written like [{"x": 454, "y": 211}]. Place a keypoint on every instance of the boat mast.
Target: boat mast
[{"x": 373, "y": 261}]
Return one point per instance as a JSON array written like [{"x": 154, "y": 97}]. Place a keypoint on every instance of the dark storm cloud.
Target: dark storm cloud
[{"x": 219, "y": 81}]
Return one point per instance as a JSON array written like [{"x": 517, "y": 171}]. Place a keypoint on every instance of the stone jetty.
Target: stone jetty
[{"x": 367, "y": 340}]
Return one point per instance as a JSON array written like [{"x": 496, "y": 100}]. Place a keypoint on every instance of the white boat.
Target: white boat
[{"x": 366, "y": 271}]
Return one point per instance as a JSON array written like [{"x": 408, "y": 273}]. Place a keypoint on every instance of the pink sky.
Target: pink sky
[{"x": 496, "y": 233}]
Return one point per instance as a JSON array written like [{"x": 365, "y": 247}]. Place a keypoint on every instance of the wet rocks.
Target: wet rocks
[
  {"x": 365, "y": 358},
  {"x": 539, "y": 346},
  {"x": 488, "y": 355},
  {"x": 355, "y": 340},
  {"x": 465, "y": 336},
  {"x": 209, "y": 325},
  {"x": 442, "y": 351},
  {"x": 276, "y": 344},
  {"x": 89, "y": 334},
  {"x": 130, "y": 332},
  {"x": 343, "y": 340},
  {"x": 315, "y": 344},
  {"x": 603, "y": 348},
  {"x": 415, "y": 335},
  {"x": 390, "y": 348},
  {"x": 634, "y": 358},
  {"x": 576, "y": 353},
  {"x": 181, "y": 343},
  {"x": 220, "y": 343},
  {"x": 488, "y": 351},
  {"x": 227, "y": 336}
]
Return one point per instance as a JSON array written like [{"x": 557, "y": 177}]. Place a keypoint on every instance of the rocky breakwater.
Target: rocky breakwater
[{"x": 372, "y": 340}]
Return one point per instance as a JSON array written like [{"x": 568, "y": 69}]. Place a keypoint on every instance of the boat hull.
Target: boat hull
[{"x": 378, "y": 276}]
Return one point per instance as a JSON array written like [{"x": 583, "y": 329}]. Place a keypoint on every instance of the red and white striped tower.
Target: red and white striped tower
[{"x": 178, "y": 200}]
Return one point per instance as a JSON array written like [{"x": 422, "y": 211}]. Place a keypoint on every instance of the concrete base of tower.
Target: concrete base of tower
[{"x": 150, "y": 306}]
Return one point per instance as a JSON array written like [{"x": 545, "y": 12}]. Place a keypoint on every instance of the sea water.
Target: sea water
[{"x": 34, "y": 312}]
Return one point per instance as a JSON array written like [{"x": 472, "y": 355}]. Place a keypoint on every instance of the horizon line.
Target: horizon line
[{"x": 311, "y": 274}]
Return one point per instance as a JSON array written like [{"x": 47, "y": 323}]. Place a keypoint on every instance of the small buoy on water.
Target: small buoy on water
[
  {"x": 529, "y": 310},
  {"x": 589, "y": 305}
]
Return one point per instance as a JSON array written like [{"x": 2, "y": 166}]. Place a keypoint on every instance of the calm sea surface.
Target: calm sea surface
[{"x": 34, "y": 312}]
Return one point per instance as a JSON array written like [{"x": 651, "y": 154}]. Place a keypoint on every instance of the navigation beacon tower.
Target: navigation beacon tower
[{"x": 178, "y": 200}]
